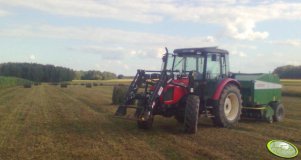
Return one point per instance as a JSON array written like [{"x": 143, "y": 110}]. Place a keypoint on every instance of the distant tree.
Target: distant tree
[
  {"x": 50, "y": 73},
  {"x": 78, "y": 74},
  {"x": 97, "y": 75},
  {"x": 288, "y": 71},
  {"x": 37, "y": 72},
  {"x": 120, "y": 76}
]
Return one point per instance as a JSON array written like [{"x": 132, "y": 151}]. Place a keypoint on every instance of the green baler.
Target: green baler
[{"x": 261, "y": 94}]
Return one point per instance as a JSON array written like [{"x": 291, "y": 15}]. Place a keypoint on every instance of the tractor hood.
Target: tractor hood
[
  {"x": 173, "y": 91},
  {"x": 183, "y": 82}
]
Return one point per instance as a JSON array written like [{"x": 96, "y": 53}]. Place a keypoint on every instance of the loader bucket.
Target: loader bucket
[{"x": 121, "y": 111}]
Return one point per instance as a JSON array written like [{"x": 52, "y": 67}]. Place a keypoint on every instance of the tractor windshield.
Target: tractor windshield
[{"x": 185, "y": 64}]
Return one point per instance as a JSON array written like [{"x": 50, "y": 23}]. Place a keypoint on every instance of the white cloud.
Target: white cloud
[
  {"x": 289, "y": 42},
  {"x": 104, "y": 35},
  {"x": 138, "y": 11},
  {"x": 126, "y": 66},
  {"x": 243, "y": 29},
  {"x": 109, "y": 40},
  {"x": 263, "y": 62},
  {"x": 238, "y": 53},
  {"x": 237, "y": 17},
  {"x": 3, "y": 13},
  {"x": 32, "y": 57}
]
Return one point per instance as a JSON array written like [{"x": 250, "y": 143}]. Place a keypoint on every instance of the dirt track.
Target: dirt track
[{"x": 49, "y": 122}]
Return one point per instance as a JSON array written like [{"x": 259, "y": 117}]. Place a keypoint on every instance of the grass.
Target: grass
[
  {"x": 49, "y": 122},
  {"x": 12, "y": 81}
]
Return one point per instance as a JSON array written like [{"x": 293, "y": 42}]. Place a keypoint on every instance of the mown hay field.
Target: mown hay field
[
  {"x": 12, "y": 81},
  {"x": 50, "y": 122}
]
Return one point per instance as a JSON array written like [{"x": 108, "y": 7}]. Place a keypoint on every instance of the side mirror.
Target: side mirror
[{"x": 213, "y": 57}]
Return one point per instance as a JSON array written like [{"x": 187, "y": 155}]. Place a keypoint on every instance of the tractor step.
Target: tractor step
[{"x": 207, "y": 116}]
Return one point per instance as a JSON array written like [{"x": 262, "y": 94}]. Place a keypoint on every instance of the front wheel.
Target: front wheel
[
  {"x": 191, "y": 114},
  {"x": 228, "y": 111}
]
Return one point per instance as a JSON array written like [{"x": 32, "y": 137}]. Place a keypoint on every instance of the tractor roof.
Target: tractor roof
[{"x": 199, "y": 50}]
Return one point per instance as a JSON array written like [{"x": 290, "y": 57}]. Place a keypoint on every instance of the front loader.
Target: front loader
[{"x": 197, "y": 83}]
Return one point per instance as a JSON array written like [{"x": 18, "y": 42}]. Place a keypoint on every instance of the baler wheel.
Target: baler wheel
[
  {"x": 191, "y": 114},
  {"x": 279, "y": 112},
  {"x": 228, "y": 111}
]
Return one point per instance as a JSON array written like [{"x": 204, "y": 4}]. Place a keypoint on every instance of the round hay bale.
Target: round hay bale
[
  {"x": 64, "y": 85},
  {"x": 88, "y": 85},
  {"x": 119, "y": 93},
  {"x": 27, "y": 85}
]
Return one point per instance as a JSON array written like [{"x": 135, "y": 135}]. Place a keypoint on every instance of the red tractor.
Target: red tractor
[{"x": 193, "y": 81}]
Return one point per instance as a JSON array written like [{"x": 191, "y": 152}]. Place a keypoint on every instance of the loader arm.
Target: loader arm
[
  {"x": 138, "y": 80},
  {"x": 131, "y": 92},
  {"x": 157, "y": 91}
]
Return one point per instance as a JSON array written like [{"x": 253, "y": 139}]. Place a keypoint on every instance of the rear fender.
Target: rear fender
[{"x": 222, "y": 85}]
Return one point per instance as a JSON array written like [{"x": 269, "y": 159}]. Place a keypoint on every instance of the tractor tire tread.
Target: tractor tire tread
[{"x": 191, "y": 114}]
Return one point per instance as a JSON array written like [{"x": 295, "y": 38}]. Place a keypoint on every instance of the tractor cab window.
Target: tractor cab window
[
  {"x": 213, "y": 66},
  {"x": 186, "y": 64},
  {"x": 178, "y": 64},
  {"x": 169, "y": 62},
  {"x": 190, "y": 64}
]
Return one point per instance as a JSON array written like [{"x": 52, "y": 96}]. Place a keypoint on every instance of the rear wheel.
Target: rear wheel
[
  {"x": 191, "y": 114},
  {"x": 228, "y": 111},
  {"x": 278, "y": 112}
]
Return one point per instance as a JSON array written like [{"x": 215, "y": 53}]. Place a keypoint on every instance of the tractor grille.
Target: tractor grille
[{"x": 168, "y": 95}]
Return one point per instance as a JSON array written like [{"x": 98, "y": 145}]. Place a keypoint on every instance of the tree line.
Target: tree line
[
  {"x": 50, "y": 73},
  {"x": 288, "y": 72},
  {"x": 94, "y": 75}
]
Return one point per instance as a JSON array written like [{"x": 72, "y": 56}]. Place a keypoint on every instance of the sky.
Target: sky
[{"x": 122, "y": 36}]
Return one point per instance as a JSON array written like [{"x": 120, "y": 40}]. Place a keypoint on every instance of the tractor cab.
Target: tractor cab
[
  {"x": 206, "y": 67},
  {"x": 206, "y": 63}
]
